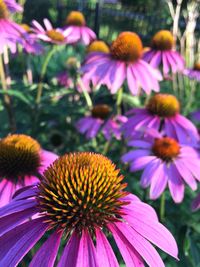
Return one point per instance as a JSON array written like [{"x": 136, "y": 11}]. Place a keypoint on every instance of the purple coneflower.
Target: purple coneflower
[
  {"x": 64, "y": 79},
  {"x": 10, "y": 32},
  {"x": 123, "y": 61},
  {"x": 162, "y": 113},
  {"x": 196, "y": 203},
  {"x": 80, "y": 199},
  {"x": 49, "y": 34},
  {"x": 100, "y": 120},
  {"x": 165, "y": 161},
  {"x": 162, "y": 53},
  {"x": 193, "y": 73},
  {"x": 21, "y": 160},
  {"x": 79, "y": 32}
]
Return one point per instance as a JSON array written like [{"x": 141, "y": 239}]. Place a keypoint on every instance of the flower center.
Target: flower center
[
  {"x": 81, "y": 190},
  {"x": 166, "y": 148},
  {"x": 197, "y": 66},
  {"x": 163, "y": 105},
  {"x": 127, "y": 47},
  {"x": 19, "y": 156},
  {"x": 101, "y": 111},
  {"x": 3, "y": 10},
  {"x": 163, "y": 40},
  {"x": 98, "y": 46},
  {"x": 55, "y": 35},
  {"x": 75, "y": 18},
  {"x": 26, "y": 27}
]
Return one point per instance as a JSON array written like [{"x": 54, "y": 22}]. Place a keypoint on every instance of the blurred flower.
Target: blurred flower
[
  {"x": 196, "y": 203},
  {"x": 162, "y": 111},
  {"x": 123, "y": 61},
  {"x": 13, "y": 6},
  {"x": 193, "y": 73},
  {"x": 165, "y": 161},
  {"x": 100, "y": 120},
  {"x": 79, "y": 32},
  {"x": 10, "y": 32},
  {"x": 64, "y": 80},
  {"x": 162, "y": 52},
  {"x": 21, "y": 159},
  {"x": 49, "y": 34},
  {"x": 80, "y": 199},
  {"x": 98, "y": 46}
]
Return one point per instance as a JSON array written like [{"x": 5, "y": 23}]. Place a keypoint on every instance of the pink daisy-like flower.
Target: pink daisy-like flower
[
  {"x": 193, "y": 73},
  {"x": 81, "y": 198},
  {"x": 79, "y": 32},
  {"x": 21, "y": 160},
  {"x": 100, "y": 120},
  {"x": 162, "y": 111},
  {"x": 123, "y": 61},
  {"x": 13, "y": 6},
  {"x": 64, "y": 79},
  {"x": 162, "y": 52},
  {"x": 196, "y": 203},
  {"x": 10, "y": 32},
  {"x": 165, "y": 161},
  {"x": 49, "y": 34}
]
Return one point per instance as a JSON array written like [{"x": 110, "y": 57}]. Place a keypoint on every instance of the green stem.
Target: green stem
[
  {"x": 85, "y": 93},
  {"x": 43, "y": 72},
  {"x": 162, "y": 207},
  {"x": 119, "y": 100},
  {"x": 7, "y": 99},
  {"x": 106, "y": 147}
]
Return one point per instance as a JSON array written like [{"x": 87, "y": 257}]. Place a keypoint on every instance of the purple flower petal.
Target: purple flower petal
[
  {"x": 46, "y": 255},
  {"x": 129, "y": 254},
  {"x": 149, "y": 172},
  {"x": 176, "y": 185},
  {"x": 17, "y": 242},
  {"x": 196, "y": 203},
  {"x": 158, "y": 181},
  {"x": 105, "y": 254},
  {"x": 70, "y": 253},
  {"x": 134, "y": 154},
  {"x": 25, "y": 192}
]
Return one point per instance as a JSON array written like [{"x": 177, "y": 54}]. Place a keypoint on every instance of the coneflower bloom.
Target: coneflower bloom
[
  {"x": 162, "y": 112},
  {"x": 21, "y": 161},
  {"x": 49, "y": 34},
  {"x": 165, "y": 162},
  {"x": 193, "y": 73},
  {"x": 10, "y": 32},
  {"x": 100, "y": 120},
  {"x": 81, "y": 198},
  {"x": 13, "y": 6},
  {"x": 79, "y": 32},
  {"x": 123, "y": 61},
  {"x": 196, "y": 203},
  {"x": 162, "y": 53}
]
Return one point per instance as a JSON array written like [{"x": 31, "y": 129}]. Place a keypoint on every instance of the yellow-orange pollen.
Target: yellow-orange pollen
[
  {"x": 101, "y": 111},
  {"x": 166, "y": 148},
  {"x": 127, "y": 47},
  {"x": 197, "y": 66},
  {"x": 75, "y": 18},
  {"x": 19, "y": 156},
  {"x": 163, "y": 105},
  {"x": 3, "y": 10},
  {"x": 162, "y": 40},
  {"x": 55, "y": 35},
  {"x": 26, "y": 27},
  {"x": 81, "y": 190},
  {"x": 98, "y": 46}
]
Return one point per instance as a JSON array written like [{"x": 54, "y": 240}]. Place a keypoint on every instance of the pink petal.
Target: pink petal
[
  {"x": 47, "y": 24},
  {"x": 105, "y": 254},
  {"x": 149, "y": 172},
  {"x": 131, "y": 80},
  {"x": 158, "y": 182}
]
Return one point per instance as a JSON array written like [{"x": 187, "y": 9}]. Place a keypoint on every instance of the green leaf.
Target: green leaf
[{"x": 17, "y": 94}]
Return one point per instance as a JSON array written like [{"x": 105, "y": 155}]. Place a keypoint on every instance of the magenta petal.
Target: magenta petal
[
  {"x": 46, "y": 255},
  {"x": 10, "y": 221},
  {"x": 158, "y": 181},
  {"x": 15, "y": 206},
  {"x": 149, "y": 172},
  {"x": 70, "y": 253},
  {"x": 17, "y": 242},
  {"x": 86, "y": 252},
  {"x": 105, "y": 254},
  {"x": 154, "y": 232},
  {"x": 6, "y": 191},
  {"x": 141, "y": 245},
  {"x": 129, "y": 254},
  {"x": 47, "y": 158}
]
